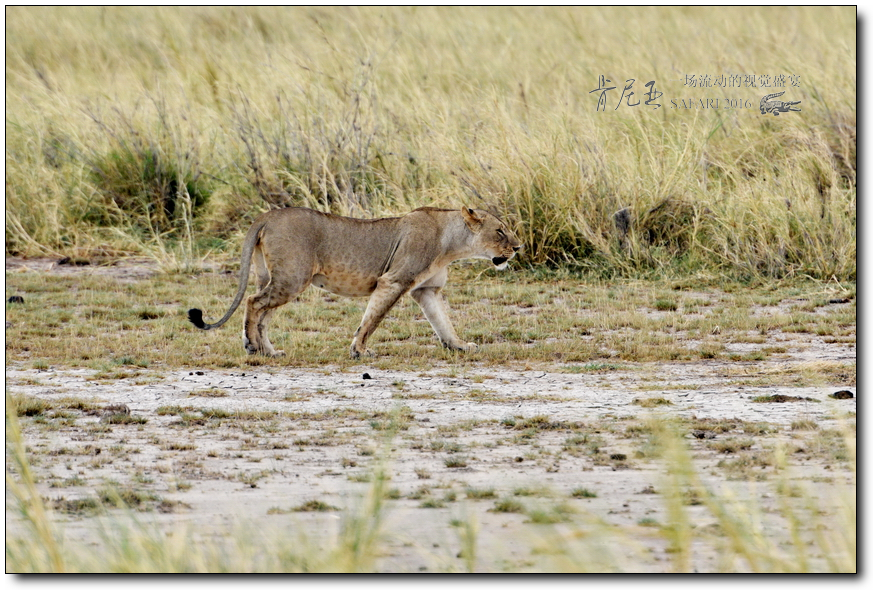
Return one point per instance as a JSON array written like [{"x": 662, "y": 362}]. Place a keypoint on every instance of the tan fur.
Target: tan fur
[{"x": 381, "y": 258}]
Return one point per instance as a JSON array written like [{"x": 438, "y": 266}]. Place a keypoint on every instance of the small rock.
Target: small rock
[
  {"x": 703, "y": 434},
  {"x": 367, "y": 376},
  {"x": 519, "y": 459},
  {"x": 16, "y": 299},
  {"x": 843, "y": 394}
]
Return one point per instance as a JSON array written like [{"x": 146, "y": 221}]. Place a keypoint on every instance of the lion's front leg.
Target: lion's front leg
[
  {"x": 381, "y": 301},
  {"x": 435, "y": 309}
]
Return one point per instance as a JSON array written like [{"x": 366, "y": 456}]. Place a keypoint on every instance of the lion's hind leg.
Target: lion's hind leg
[{"x": 276, "y": 289}]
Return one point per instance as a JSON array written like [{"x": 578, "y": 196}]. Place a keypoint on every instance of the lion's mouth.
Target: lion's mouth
[{"x": 498, "y": 260}]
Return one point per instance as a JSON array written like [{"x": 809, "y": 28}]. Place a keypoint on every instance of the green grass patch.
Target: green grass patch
[
  {"x": 480, "y": 493},
  {"x": 583, "y": 493}
]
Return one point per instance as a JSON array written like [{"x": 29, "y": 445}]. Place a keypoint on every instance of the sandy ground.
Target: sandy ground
[
  {"x": 318, "y": 455},
  {"x": 323, "y": 431}
]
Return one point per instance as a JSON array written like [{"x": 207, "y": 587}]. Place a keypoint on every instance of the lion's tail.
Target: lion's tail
[{"x": 196, "y": 315}]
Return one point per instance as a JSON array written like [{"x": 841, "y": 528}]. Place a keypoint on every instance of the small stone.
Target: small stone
[
  {"x": 16, "y": 299},
  {"x": 843, "y": 394},
  {"x": 367, "y": 376}
]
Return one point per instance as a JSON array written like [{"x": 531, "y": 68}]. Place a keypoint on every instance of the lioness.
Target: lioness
[{"x": 380, "y": 258}]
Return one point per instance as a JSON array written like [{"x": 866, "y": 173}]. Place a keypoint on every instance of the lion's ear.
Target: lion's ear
[{"x": 472, "y": 219}]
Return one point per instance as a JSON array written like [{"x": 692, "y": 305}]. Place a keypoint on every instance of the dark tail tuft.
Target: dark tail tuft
[{"x": 196, "y": 317}]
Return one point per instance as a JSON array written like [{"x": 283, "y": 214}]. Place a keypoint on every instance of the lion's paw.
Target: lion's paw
[
  {"x": 356, "y": 354},
  {"x": 463, "y": 347}
]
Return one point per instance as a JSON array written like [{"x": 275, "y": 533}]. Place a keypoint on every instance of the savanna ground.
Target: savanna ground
[
  {"x": 682, "y": 266},
  {"x": 602, "y": 426}
]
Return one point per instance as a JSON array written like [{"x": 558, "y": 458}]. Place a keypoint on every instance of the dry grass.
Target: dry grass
[
  {"x": 591, "y": 327},
  {"x": 163, "y": 131}
]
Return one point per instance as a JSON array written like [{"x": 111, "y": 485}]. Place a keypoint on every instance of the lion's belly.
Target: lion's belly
[{"x": 345, "y": 284}]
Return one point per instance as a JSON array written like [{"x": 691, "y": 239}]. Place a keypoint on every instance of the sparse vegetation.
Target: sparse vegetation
[
  {"x": 480, "y": 493},
  {"x": 315, "y": 506},
  {"x": 583, "y": 493},
  {"x": 508, "y": 505},
  {"x": 652, "y": 402},
  {"x": 623, "y": 329},
  {"x": 455, "y": 462},
  {"x": 680, "y": 490},
  {"x": 551, "y": 514},
  {"x": 208, "y": 392}
]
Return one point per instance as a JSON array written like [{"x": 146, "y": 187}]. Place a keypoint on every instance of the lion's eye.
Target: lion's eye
[{"x": 500, "y": 233}]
